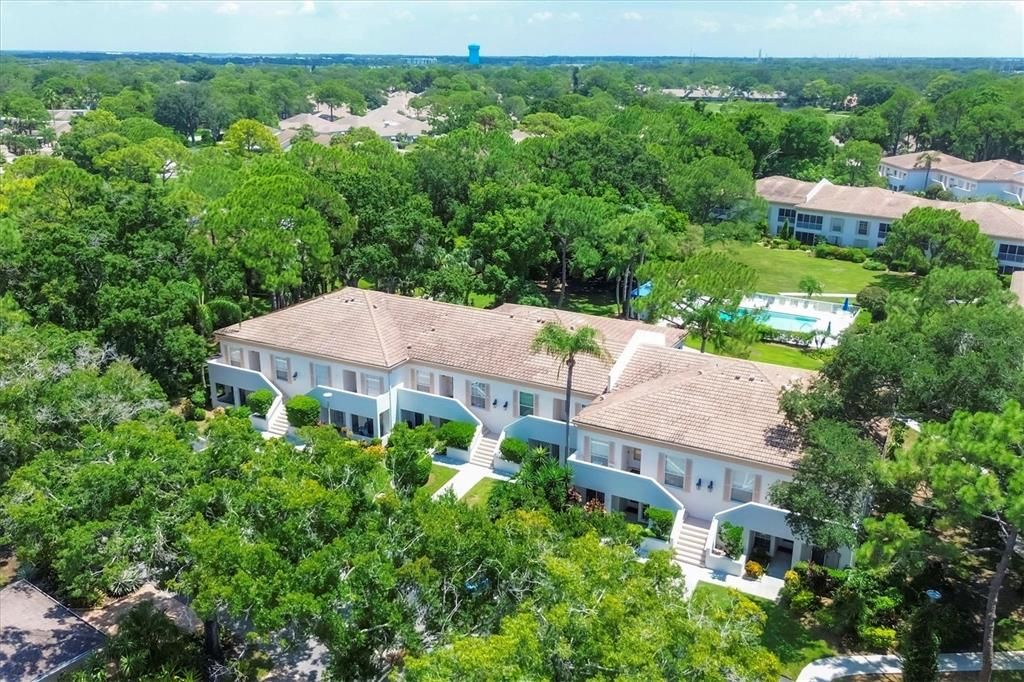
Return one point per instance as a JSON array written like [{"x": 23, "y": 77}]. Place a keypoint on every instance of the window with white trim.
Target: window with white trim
[
  {"x": 862, "y": 227},
  {"x": 742, "y": 486},
  {"x": 282, "y": 369},
  {"x": 235, "y": 357},
  {"x": 837, "y": 224},
  {"x": 883, "y": 230},
  {"x": 526, "y": 403},
  {"x": 787, "y": 214},
  {"x": 675, "y": 471},
  {"x": 599, "y": 450},
  {"x": 423, "y": 380},
  {"x": 374, "y": 386},
  {"x": 321, "y": 375},
  {"x": 478, "y": 394}
]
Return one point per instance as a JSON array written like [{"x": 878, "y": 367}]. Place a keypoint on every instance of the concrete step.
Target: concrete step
[{"x": 689, "y": 547}]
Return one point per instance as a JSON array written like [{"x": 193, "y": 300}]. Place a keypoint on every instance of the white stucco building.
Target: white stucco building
[
  {"x": 861, "y": 216},
  {"x": 654, "y": 425},
  {"x": 995, "y": 179}
]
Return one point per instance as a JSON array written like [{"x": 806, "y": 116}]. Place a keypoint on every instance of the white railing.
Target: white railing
[
  {"x": 795, "y": 304},
  {"x": 720, "y": 562},
  {"x": 677, "y": 527}
]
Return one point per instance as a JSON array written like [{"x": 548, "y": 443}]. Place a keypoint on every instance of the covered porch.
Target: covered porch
[{"x": 356, "y": 415}]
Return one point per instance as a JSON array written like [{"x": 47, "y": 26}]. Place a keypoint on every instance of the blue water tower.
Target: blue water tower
[{"x": 474, "y": 54}]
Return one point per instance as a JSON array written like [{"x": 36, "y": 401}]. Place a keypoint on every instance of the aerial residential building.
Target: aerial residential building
[
  {"x": 654, "y": 425},
  {"x": 861, "y": 216},
  {"x": 995, "y": 179}
]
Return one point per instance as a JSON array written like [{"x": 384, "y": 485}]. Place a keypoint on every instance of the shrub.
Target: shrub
[
  {"x": 457, "y": 435},
  {"x": 514, "y": 450},
  {"x": 873, "y": 299},
  {"x": 260, "y": 401},
  {"x": 199, "y": 414},
  {"x": 919, "y": 646},
  {"x": 303, "y": 410},
  {"x": 660, "y": 521},
  {"x": 731, "y": 537},
  {"x": 199, "y": 397},
  {"x": 753, "y": 570},
  {"x": 792, "y": 580},
  {"x": 883, "y": 639},
  {"x": 874, "y": 265},
  {"x": 802, "y": 601},
  {"x": 188, "y": 409}
]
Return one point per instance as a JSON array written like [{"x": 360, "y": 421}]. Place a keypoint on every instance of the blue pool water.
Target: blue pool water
[{"x": 788, "y": 322}]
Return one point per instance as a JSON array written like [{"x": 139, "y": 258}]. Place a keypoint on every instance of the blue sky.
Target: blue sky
[{"x": 856, "y": 28}]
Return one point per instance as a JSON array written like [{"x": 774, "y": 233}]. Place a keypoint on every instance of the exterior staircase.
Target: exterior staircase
[
  {"x": 277, "y": 425},
  {"x": 483, "y": 454},
  {"x": 689, "y": 548}
]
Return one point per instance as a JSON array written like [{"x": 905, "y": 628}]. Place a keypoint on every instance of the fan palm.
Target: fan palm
[{"x": 566, "y": 345}]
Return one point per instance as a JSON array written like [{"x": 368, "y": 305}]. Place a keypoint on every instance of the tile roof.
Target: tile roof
[
  {"x": 385, "y": 330},
  {"x": 994, "y": 220},
  {"x": 706, "y": 403},
  {"x": 39, "y": 636},
  {"x": 994, "y": 170},
  {"x": 910, "y": 161}
]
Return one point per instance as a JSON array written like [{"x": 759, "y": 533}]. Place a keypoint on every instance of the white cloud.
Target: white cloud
[
  {"x": 228, "y": 8},
  {"x": 539, "y": 17},
  {"x": 853, "y": 11},
  {"x": 708, "y": 26},
  {"x": 403, "y": 15},
  {"x": 159, "y": 6},
  {"x": 307, "y": 7},
  {"x": 632, "y": 16},
  {"x": 571, "y": 16}
]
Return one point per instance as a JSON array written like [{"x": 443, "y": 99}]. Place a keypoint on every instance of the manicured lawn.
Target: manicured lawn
[
  {"x": 478, "y": 494},
  {"x": 439, "y": 475},
  {"x": 786, "y": 637},
  {"x": 481, "y": 300},
  {"x": 590, "y": 302},
  {"x": 773, "y": 353},
  {"x": 780, "y": 270}
]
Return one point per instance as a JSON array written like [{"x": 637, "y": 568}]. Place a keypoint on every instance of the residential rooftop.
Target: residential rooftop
[
  {"x": 39, "y": 637},
  {"x": 702, "y": 403},
  {"x": 995, "y": 220},
  {"x": 374, "y": 329},
  {"x": 994, "y": 170}
]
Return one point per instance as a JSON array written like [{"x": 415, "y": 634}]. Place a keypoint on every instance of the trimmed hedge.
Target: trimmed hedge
[
  {"x": 660, "y": 521},
  {"x": 303, "y": 410},
  {"x": 514, "y": 450},
  {"x": 260, "y": 401},
  {"x": 458, "y": 435},
  {"x": 753, "y": 570},
  {"x": 731, "y": 537},
  {"x": 833, "y": 252}
]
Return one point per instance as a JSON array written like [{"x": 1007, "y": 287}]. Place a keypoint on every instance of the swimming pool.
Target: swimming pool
[{"x": 788, "y": 322}]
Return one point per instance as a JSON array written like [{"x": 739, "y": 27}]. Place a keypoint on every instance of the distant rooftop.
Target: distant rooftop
[
  {"x": 994, "y": 170},
  {"x": 993, "y": 219},
  {"x": 39, "y": 637}
]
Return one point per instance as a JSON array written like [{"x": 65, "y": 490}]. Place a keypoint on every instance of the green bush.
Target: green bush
[
  {"x": 457, "y": 435},
  {"x": 833, "y": 252},
  {"x": 880, "y": 639},
  {"x": 303, "y": 410},
  {"x": 260, "y": 401},
  {"x": 199, "y": 397},
  {"x": 731, "y": 537},
  {"x": 801, "y": 601},
  {"x": 873, "y": 300},
  {"x": 514, "y": 450},
  {"x": 874, "y": 265},
  {"x": 660, "y": 521},
  {"x": 753, "y": 570},
  {"x": 199, "y": 414}
]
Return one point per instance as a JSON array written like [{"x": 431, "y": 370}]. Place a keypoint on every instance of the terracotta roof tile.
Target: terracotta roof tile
[{"x": 688, "y": 400}]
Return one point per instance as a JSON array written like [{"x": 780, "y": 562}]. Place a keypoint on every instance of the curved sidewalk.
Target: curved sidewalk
[{"x": 847, "y": 666}]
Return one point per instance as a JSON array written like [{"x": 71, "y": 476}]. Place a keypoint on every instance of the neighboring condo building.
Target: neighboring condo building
[
  {"x": 996, "y": 179},
  {"x": 656, "y": 425},
  {"x": 861, "y": 216}
]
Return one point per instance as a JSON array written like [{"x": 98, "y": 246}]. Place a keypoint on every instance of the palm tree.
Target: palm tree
[
  {"x": 566, "y": 344},
  {"x": 926, "y": 160}
]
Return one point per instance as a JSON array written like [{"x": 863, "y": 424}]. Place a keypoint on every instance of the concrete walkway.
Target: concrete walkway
[
  {"x": 848, "y": 666},
  {"x": 469, "y": 475},
  {"x": 765, "y": 588}
]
